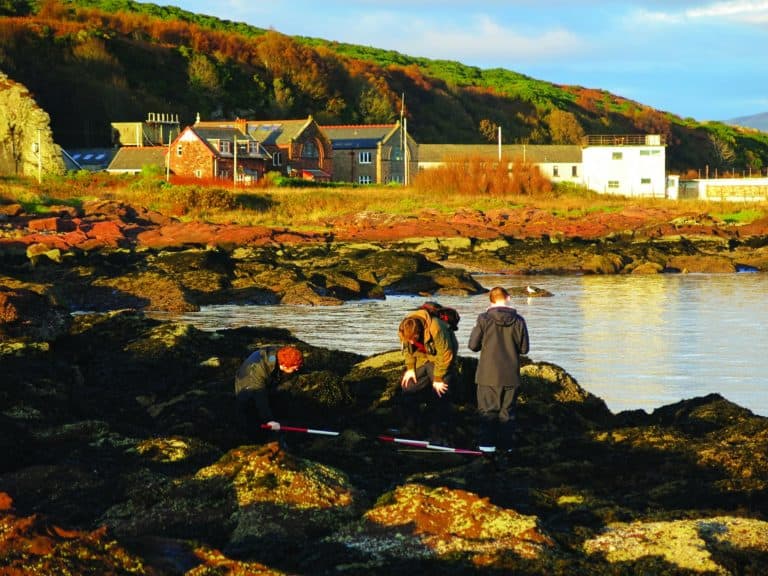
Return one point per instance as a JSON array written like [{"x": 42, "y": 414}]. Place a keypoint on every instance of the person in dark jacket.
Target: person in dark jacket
[
  {"x": 501, "y": 336},
  {"x": 257, "y": 382},
  {"x": 429, "y": 349}
]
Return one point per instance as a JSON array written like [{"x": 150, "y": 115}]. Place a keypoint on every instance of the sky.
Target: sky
[{"x": 703, "y": 60}]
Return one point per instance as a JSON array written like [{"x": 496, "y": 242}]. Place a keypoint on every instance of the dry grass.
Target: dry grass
[{"x": 317, "y": 208}]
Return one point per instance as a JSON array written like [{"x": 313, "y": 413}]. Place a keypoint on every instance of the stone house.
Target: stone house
[
  {"x": 298, "y": 148},
  {"x": 216, "y": 151},
  {"x": 371, "y": 153}
]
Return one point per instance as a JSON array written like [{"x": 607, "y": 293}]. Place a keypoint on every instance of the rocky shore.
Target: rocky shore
[{"x": 123, "y": 455}]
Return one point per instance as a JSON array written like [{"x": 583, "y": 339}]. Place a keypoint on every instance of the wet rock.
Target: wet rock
[{"x": 29, "y": 316}]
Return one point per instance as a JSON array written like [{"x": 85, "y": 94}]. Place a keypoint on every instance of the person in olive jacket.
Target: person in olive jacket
[
  {"x": 257, "y": 381},
  {"x": 429, "y": 351},
  {"x": 501, "y": 336}
]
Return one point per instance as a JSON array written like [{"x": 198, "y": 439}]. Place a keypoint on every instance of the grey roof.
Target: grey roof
[
  {"x": 536, "y": 153},
  {"x": 275, "y": 132},
  {"x": 357, "y": 136},
  {"x": 134, "y": 158},
  {"x": 92, "y": 158}
]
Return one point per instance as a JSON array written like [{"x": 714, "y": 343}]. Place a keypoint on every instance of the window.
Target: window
[
  {"x": 179, "y": 149},
  {"x": 645, "y": 180},
  {"x": 574, "y": 171},
  {"x": 396, "y": 178},
  {"x": 198, "y": 173},
  {"x": 253, "y": 147},
  {"x": 277, "y": 159},
  {"x": 224, "y": 146},
  {"x": 309, "y": 150},
  {"x": 364, "y": 158},
  {"x": 613, "y": 183},
  {"x": 364, "y": 180},
  {"x": 649, "y": 152},
  {"x": 617, "y": 155},
  {"x": 556, "y": 171}
]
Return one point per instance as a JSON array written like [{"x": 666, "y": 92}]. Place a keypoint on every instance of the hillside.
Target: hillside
[
  {"x": 92, "y": 62},
  {"x": 756, "y": 121}
]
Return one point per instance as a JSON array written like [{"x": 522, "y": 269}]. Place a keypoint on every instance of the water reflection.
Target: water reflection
[{"x": 637, "y": 342}]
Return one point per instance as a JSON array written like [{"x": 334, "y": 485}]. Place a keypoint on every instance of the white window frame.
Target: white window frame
[
  {"x": 277, "y": 159},
  {"x": 363, "y": 157},
  {"x": 225, "y": 147},
  {"x": 364, "y": 179},
  {"x": 179, "y": 149}
]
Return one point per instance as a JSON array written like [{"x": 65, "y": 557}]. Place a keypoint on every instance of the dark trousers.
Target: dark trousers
[
  {"x": 423, "y": 411},
  {"x": 250, "y": 420},
  {"x": 496, "y": 409}
]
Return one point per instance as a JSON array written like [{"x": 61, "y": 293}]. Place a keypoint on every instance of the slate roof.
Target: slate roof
[
  {"x": 536, "y": 153},
  {"x": 277, "y": 132},
  {"x": 92, "y": 158},
  {"x": 134, "y": 158},
  {"x": 357, "y": 136}
]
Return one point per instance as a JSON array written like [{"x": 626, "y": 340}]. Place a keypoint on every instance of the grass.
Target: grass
[
  {"x": 316, "y": 208},
  {"x": 741, "y": 216}
]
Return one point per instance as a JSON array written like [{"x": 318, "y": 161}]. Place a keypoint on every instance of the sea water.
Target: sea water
[{"x": 637, "y": 342}]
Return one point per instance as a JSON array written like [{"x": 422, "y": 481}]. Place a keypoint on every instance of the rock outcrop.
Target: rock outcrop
[{"x": 123, "y": 455}]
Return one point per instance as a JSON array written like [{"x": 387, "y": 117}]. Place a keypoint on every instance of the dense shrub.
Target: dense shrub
[{"x": 476, "y": 175}]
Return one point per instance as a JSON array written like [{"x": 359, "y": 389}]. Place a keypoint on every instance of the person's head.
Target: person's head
[
  {"x": 498, "y": 295},
  {"x": 290, "y": 359},
  {"x": 411, "y": 330}
]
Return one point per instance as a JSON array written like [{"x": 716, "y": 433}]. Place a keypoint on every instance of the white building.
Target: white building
[{"x": 630, "y": 165}]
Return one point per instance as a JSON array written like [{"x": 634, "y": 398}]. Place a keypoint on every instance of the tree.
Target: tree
[
  {"x": 489, "y": 129},
  {"x": 564, "y": 127},
  {"x": 722, "y": 150},
  {"x": 375, "y": 107}
]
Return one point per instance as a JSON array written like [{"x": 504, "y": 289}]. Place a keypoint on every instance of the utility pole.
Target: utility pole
[
  {"x": 37, "y": 149},
  {"x": 404, "y": 134},
  {"x": 234, "y": 165}
]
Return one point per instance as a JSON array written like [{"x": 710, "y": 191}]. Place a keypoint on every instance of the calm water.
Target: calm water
[{"x": 634, "y": 341}]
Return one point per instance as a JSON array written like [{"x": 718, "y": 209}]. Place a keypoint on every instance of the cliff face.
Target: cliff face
[{"x": 26, "y": 140}]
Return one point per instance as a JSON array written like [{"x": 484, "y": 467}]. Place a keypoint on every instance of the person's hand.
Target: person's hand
[
  {"x": 272, "y": 425},
  {"x": 407, "y": 377},
  {"x": 440, "y": 387}
]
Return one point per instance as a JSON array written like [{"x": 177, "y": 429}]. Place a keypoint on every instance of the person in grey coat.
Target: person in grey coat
[{"x": 501, "y": 336}]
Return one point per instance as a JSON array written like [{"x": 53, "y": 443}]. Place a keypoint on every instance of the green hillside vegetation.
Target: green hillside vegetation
[{"x": 93, "y": 62}]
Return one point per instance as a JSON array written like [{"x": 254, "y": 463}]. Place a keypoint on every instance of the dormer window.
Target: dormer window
[{"x": 225, "y": 146}]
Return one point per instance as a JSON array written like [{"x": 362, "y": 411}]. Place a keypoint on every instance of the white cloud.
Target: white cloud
[
  {"x": 745, "y": 11},
  {"x": 481, "y": 39}
]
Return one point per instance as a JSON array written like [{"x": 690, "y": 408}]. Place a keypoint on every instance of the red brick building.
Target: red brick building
[
  {"x": 296, "y": 148},
  {"x": 216, "y": 152}
]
